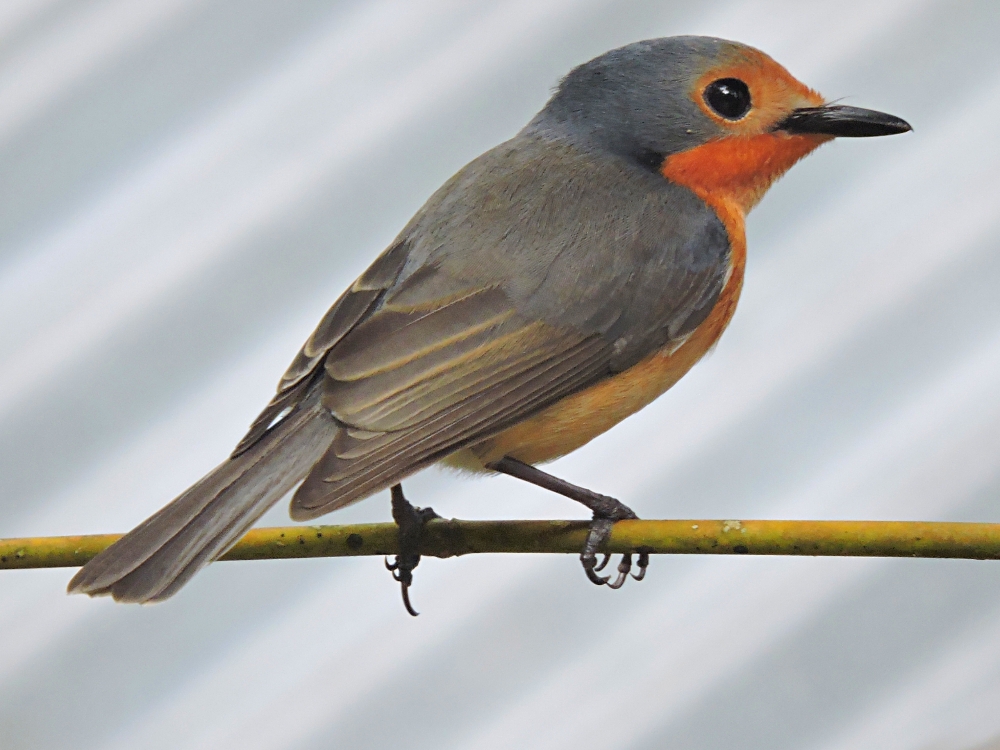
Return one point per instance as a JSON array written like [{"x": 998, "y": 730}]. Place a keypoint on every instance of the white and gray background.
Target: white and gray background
[{"x": 186, "y": 185}]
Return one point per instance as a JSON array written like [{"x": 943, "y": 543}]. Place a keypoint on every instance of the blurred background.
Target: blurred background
[{"x": 186, "y": 185}]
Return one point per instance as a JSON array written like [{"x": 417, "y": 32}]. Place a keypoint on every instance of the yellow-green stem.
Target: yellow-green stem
[{"x": 444, "y": 538}]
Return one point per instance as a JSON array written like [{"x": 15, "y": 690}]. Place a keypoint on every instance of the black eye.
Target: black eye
[{"x": 729, "y": 97}]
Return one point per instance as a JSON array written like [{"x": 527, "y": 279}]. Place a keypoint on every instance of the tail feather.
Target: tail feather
[{"x": 154, "y": 560}]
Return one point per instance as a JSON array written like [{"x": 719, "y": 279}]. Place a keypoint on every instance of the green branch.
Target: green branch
[{"x": 443, "y": 538}]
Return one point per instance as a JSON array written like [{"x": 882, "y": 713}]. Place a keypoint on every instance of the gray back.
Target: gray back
[{"x": 575, "y": 237}]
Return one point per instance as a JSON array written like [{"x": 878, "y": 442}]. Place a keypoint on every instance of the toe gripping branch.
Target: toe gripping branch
[
  {"x": 606, "y": 511},
  {"x": 410, "y": 521}
]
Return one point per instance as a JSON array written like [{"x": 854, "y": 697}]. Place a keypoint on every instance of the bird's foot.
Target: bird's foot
[
  {"x": 410, "y": 521},
  {"x": 607, "y": 510}
]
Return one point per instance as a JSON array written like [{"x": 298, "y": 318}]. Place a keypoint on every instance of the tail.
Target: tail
[{"x": 155, "y": 559}]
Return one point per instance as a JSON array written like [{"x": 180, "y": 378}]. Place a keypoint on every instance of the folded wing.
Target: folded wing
[{"x": 440, "y": 377}]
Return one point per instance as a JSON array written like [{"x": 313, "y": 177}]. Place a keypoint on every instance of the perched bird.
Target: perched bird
[{"x": 557, "y": 284}]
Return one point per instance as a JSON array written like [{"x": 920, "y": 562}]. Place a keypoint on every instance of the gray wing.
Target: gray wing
[
  {"x": 354, "y": 305},
  {"x": 535, "y": 272}
]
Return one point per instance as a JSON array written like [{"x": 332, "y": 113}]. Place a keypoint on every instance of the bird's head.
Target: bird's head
[{"x": 719, "y": 117}]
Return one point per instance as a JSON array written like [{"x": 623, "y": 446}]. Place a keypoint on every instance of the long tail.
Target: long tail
[{"x": 155, "y": 559}]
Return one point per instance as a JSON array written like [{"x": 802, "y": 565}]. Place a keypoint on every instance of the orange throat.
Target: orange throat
[
  {"x": 738, "y": 170},
  {"x": 731, "y": 175}
]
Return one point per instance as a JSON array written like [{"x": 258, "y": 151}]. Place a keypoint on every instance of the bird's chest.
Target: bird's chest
[{"x": 574, "y": 421}]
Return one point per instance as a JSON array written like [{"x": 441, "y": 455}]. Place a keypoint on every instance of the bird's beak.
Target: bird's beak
[{"x": 842, "y": 122}]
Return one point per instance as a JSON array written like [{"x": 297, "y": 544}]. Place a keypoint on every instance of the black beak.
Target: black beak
[{"x": 843, "y": 122}]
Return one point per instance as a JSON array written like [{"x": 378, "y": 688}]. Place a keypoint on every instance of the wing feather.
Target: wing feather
[
  {"x": 407, "y": 336},
  {"x": 353, "y": 306}
]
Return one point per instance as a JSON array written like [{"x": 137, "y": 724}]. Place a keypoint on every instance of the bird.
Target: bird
[{"x": 552, "y": 287}]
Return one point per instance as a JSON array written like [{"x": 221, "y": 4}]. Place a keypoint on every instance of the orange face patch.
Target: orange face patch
[
  {"x": 773, "y": 91},
  {"x": 739, "y": 167}
]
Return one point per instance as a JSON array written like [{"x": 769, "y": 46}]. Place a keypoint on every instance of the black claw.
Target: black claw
[
  {"x": 623, "y": 570},
  {"x": 604, "y": 562},
  {"x": 411, "y": 523},
  {"x": 589, "y": 566},
  {"x": 406, "y": 600},
  {"x": 643, "y": 563},
  {"x": 600, "y": 529}
]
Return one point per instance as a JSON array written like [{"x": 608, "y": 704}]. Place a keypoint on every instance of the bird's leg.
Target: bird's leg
[
  {"x": 606, "y": 511},
  {"x": 410, "y": 521}
]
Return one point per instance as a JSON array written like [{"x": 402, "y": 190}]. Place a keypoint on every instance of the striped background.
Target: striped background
[{"x": 185, "y": 185}]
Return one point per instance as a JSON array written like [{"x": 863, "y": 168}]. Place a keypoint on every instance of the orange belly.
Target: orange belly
[{"x": 578, "y": 419}]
